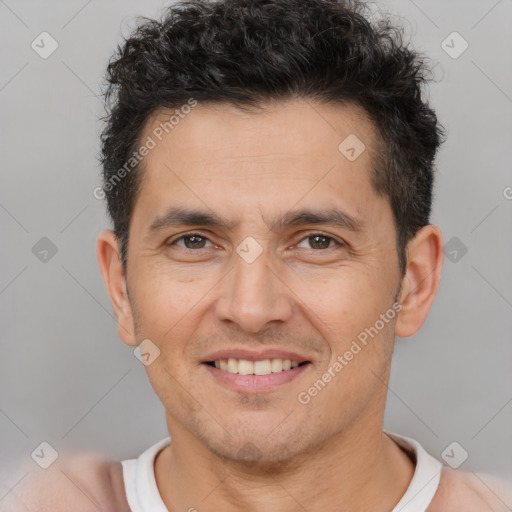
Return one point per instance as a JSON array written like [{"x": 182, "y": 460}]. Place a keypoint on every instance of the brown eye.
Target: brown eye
[
  {"x": 319, "y": 241},
  {"x": 191, "y": 241}
]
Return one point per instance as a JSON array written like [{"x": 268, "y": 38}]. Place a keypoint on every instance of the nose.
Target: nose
[{"x": 253, "y": 295}]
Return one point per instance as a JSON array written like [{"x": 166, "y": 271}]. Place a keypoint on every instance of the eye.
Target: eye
[
  {"x": 321, "y": 241},
  {"x": 191, "y": 241}
]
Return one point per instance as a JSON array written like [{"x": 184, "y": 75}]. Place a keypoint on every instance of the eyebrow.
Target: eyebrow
[
  {"x": 332, "y": 216},
  {"x": 178, "y": 216}
]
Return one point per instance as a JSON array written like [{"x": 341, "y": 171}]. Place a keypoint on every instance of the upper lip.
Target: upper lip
[{"x": 253, "y": 355}]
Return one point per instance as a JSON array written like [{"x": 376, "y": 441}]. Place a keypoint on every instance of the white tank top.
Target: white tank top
[{"x": 142, "y": 492}]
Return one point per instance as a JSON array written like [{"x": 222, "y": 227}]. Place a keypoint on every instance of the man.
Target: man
[{"x": 268, "y": 167}]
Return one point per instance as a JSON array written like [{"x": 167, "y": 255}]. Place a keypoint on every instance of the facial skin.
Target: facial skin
[{"x": 301, "y": 294}]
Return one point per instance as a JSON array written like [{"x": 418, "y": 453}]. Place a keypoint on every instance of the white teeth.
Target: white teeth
[
  {"x": 276, "y": 365},
  {"x": 245, "y": 367},
  {"x": 263, "y": 367},
  {"x": 232, "y": 365}
]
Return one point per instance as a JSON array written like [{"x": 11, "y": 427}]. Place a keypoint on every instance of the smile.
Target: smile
[
  {"x": 246, "y": 376},
  {"x": 246, "y": 367}
]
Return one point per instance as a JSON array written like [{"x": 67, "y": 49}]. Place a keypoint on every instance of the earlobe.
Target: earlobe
[
  {"x": 114, "y": 278},
  {"x": 421, "y": 280}
]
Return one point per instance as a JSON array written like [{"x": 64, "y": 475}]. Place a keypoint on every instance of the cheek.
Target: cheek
[
  {"x": 345, "y": 312},
  {"x": 170, "y": 384},
  {"x": 344, "y": 304},
  {"x": 163, "y": 299}
]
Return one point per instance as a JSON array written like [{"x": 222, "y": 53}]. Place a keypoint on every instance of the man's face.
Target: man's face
[{"x": 257, "y": 289}]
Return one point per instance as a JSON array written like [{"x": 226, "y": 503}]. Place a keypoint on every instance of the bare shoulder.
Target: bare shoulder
[
  {"x": 471, "y": 492},
  {"x": 82, "y": 482}
]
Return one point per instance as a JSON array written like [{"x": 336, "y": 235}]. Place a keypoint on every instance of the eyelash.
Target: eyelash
[{"x": 309, "y": 235}]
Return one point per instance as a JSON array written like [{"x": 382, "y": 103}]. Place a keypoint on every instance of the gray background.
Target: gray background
[{"x": 67, "y": 378}]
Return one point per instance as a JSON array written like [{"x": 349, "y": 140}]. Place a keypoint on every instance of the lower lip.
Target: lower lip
[{"x": 255, "y": 383}]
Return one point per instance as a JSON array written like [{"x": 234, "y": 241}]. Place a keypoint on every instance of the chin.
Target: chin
[
  {"x": 260, "y": 448},
  {"x": 252, "y": 455},
  {"x": 259, "y": 437}
]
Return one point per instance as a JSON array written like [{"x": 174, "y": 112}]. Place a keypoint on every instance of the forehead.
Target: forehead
[
  {"x": 299, "y": 128},
  {"x": 217, "y": 155}
]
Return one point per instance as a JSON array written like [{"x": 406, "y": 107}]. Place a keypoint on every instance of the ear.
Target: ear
[
  {"x": 114, "y": 278},
  {"x": 421, "y": 280}
]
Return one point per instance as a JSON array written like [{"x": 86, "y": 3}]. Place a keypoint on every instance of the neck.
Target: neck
[{"x": 361, "y": 468}]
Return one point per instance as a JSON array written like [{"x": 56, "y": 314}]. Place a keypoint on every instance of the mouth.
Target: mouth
[
  {"x": 259, "y": 367},
  {"x": 252, "y": 373}
]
